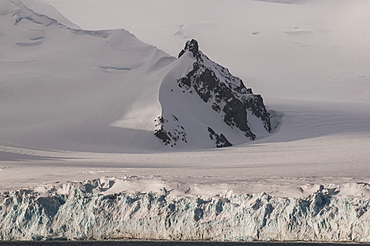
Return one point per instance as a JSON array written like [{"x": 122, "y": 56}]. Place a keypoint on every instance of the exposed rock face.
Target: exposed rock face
[
  {"x": 228, "y": 95},
  {"x": 220, "y": 140},
  {"x": 191, "y": 46},
  {"x": 169, "y": 135},
  {"x": 86, "y": 210},
  {"x": 225, "y": 94}
]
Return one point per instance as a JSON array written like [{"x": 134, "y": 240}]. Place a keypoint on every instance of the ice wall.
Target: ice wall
[{"x": 87, "y": 210}]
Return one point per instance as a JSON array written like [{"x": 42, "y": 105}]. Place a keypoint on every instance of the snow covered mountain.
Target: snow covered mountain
[
  {"x": 232, "y": 113},
  {"x": 71, "y": 89}
]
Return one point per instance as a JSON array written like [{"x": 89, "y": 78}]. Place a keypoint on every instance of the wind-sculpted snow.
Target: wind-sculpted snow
[{"x": 89, "y": 210}]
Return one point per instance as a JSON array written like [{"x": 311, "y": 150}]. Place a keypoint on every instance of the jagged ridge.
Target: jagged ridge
[{"x": 225, "y": 89}]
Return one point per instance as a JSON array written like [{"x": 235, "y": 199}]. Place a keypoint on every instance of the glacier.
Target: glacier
[{"x": 90, "y": 210}]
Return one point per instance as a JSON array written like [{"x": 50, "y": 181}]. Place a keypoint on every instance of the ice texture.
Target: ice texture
[{"x": 88, "y": 210}]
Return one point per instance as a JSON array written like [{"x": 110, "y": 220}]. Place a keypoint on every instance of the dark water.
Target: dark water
[{"x": 159, "y": 243}]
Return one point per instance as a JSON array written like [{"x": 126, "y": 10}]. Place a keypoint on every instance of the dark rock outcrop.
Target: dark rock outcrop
[
  {"x": 172, "y": 135},
  {"x": 220, "y": 140},
  {"x": 191, "y": 46},
  {"x": 226, "y": 93}
]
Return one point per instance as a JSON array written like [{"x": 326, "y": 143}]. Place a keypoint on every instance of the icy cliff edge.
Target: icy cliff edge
[{"x": 91, "y": 210}]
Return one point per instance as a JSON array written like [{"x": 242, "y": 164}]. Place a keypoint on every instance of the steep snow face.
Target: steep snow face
[
  {"x": 71, "y": 89},
  {"x": 91, "y": 210},
  {"x": 231, "y": 107}
]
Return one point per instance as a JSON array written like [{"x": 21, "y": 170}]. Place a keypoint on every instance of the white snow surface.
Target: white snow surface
[
  {"x": 308, "y": 59},
  {"x": 99, "y": 91},
  {"x": 72, "y": 89}
]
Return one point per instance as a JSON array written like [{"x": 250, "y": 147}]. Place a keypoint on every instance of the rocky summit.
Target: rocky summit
[{"x": 225, "y": 94}]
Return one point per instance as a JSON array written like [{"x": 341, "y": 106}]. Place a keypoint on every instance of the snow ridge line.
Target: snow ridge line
[
  {"x": 50, "y": 21},
  {"x": 22, "y": 6}
]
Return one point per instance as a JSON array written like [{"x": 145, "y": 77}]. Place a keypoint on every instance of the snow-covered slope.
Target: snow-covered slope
[
  {"x": 64, "y": 88},
  {"x": 311, "y": 50},
  {"x": 71, "y": 89},
  {"x": 44, "y": 8}
]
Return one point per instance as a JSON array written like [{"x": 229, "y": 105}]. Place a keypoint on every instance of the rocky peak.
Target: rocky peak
[
  {"x": 192, "y": 46},
  {"x": 227, "y": 96}
]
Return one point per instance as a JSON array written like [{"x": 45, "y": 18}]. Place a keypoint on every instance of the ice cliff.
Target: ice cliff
[{"x": 90, "y": 210}]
